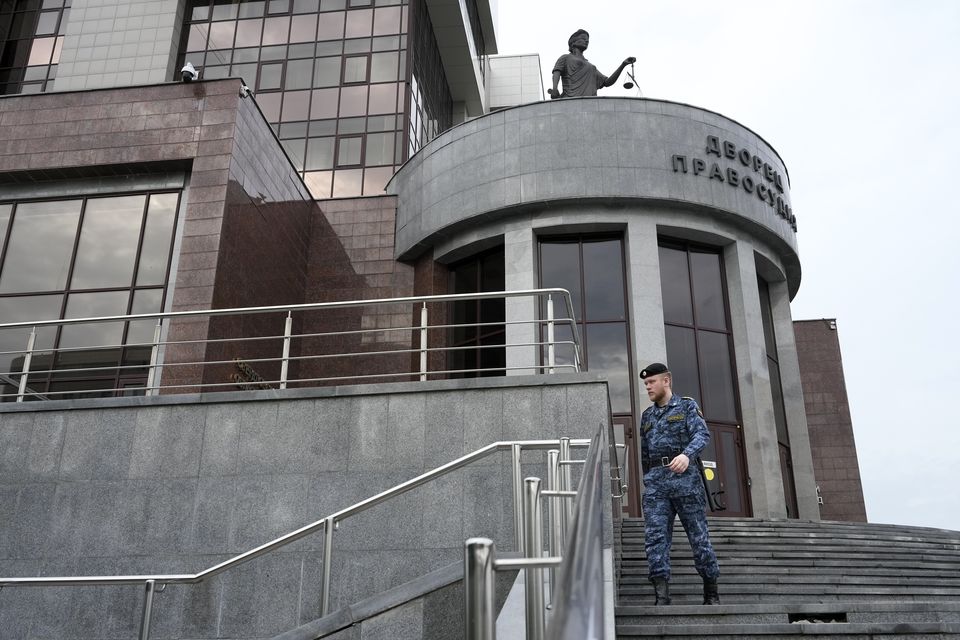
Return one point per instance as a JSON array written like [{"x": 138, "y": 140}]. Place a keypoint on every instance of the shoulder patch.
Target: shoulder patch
[
  {"x": 677, "y": 417},
  {"x": 699, "y": 412}
]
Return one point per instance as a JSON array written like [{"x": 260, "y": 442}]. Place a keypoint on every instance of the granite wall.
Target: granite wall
[{"x": 176, "y": 484}]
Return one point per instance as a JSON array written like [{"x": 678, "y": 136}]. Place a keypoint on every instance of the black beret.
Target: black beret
[{"x": 653, "y": 369}]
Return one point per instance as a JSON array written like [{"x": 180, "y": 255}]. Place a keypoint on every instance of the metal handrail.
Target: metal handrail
[
  {"x": 158, "y": 363},
  {"x": 311, "y": 306},
  {"x": 328, "y": 524},
  {"x": 575, "y": 549}
]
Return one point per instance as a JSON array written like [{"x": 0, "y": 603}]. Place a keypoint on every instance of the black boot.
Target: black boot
[
  {"x": 661, "y": 590},
  {"x": 710, "y": 593}
]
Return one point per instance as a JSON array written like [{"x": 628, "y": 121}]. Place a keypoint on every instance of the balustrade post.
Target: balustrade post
[
  {"x": 566, "y": 484},
  {"x": 423, "y": 342},
  {"x": 154, "y": 354},
  {"x": 517, "y": 496},
  {"x": 533, "y": 548},
  {"x": 478, "y": 587},
  {"x": 147, "y": 612},
  {"x": 27, "y": 358},
  {"x": 285, "y": 363},
  {"x": 328, "y": 526},
  {"x": 551, "y": 345},
  {"x": 553, "y": 515}
]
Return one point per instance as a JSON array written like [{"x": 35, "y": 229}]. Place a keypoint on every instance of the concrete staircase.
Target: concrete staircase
[{"x": 784, "y": 578}]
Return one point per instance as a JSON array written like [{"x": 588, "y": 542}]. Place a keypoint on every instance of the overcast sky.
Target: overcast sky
[{"x": 862, "y": 101}]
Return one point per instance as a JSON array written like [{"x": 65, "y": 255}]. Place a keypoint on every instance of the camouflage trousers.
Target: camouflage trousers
[{"x": 658, "y": 517}]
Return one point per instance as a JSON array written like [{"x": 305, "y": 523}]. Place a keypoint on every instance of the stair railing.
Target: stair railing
[
  {"x": 575, "y": 557},
  {"x": 154, "y": 583}
]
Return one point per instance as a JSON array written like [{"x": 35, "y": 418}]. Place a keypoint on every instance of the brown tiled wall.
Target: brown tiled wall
[
  {"x": 828, "y": 418},
  {"x": 351, "y": 258}
]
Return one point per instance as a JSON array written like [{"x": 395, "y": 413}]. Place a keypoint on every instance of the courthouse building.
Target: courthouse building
[{"x": 353, "y": 149}]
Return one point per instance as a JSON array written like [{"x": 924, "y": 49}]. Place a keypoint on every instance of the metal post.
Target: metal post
[
  {"x": 551, "y": 346},
  {"x": 147, "y": 610},
  {"x": 566, "y": 483},
  {"x": 517, "y": 496},
  {"x": 423, "y": 342},
  {"x": 553, "y": 515},
  {"x": 154, "y": 353},
  {"x": 478, "y": 588},
  {"x": 533, "y": 548},
  {"x": 27, "y": 357},
  {"x": 327, "y": 559},
  {"x": 285, "y": 363}
]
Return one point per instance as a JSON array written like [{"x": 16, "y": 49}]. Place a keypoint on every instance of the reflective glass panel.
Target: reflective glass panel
[
  {"x": 352, "y": 125},
  {"x": 89, "y": 305},
  {"x": 326, "y": 73},
  {"x": 221, "y": 34},
  {"x": 303, "y": 29},
  {"x": 269, "y": 104},
  {"x": 224, "y": 10},
  {"x": 108, "y": 242},
  {"x": 330, "y": 26},
  {"x": 348, "y": 153},
  {"x": 730, "y": 468},
  {"x": 386, "y": 21},
  {"x": 383, "y": 98},
  {"x": 355, "y": 69},
  {"x": 348, "y": 183},
  {"x": 353, "y": 101},
  {"x": 156, "y": 239},
  {"x": 607, "y": 354},
  {"x": 295, "y": 105},
  {"x": 682, "y": 359},
  {"x": 41, "y": 50},
  {"x": 332, "y": 5},
  {"x": 319, "y": 183},
  {"x": 603, "y": 280},
  {"x": 276, "y": 30},
  {"x": 718, "y": 400},
  {"x": 356, "y": 45},
  {"x": 47, "y": 23},
  {"x": 766, "y": 312},
  {"x": 306, "y": 6},
  {"x": 324, "y": 104},
  {"x": 299, "y": 74},
  {"x": 25, "y": 309},
  {"x": 560, "y": 267},
  {"x": 251, "y": 9},
  {"x": 40, "y": 246},
  {"x": 270, "y": 75},
  {"x": 379, "y": 149},
  {"x": 675, "y": 286},
  {"x": 375, "y": 180},
  {"x": 248, "y": 33},
  {"x": 322, "y": 127},
  {"x": 144, "y": 301},
  {"x": 320, "y": 153},
  {"x": 708, "y": 290},
  {"x": 383, "y": 66},
  {"x": 359, "y": 23}
]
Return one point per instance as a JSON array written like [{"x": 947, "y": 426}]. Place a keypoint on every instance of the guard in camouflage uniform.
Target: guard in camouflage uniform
[{"x": 673, "y": 434}]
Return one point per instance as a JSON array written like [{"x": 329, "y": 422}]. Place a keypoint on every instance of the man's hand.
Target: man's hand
[
  {"x": 554, "y": 94},
  {"x": 679, "y": 464}
]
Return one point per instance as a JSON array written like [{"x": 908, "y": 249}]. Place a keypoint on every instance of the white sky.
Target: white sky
[{"x": 861, "y": 100}]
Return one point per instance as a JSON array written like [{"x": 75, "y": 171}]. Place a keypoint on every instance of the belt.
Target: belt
[{"x": 660, "y": 461}]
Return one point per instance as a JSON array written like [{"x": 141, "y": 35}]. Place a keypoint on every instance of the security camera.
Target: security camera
[
  {"x": 189, "y": 73},
  {"x": 245, "y": 91}
]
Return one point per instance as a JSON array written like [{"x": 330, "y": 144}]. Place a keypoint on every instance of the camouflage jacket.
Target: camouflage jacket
[{"x": 677, "y": 427}]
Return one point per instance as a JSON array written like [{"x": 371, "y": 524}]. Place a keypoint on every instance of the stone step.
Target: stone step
[
  {"x": 740, "y": 592},
  {"x": 771, "y": 631},
  {"x": 783, "y": 613},
  {"x": 820, "y": 542},
  {"x": 904, "y": 580},
  {"x": 812, "y": 565}
]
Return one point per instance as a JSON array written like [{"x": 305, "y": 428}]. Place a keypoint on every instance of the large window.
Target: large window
[
  {"x": 477, "y": 346},
  {"x": 591, "y": 269},
  {"x": 32, "y": 38},
  {"x": 700, "y": 356},
  {"x": 327, "y": 74},
  {"x": 80, "y": 258}
]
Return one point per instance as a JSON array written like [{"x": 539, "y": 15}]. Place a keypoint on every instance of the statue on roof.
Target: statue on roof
[{"x": 580, "y": 77}]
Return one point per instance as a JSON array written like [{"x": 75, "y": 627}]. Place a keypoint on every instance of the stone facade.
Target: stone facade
[
  {"x": 828, "y": 417},
  {"x": 176, "y": 484}
]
